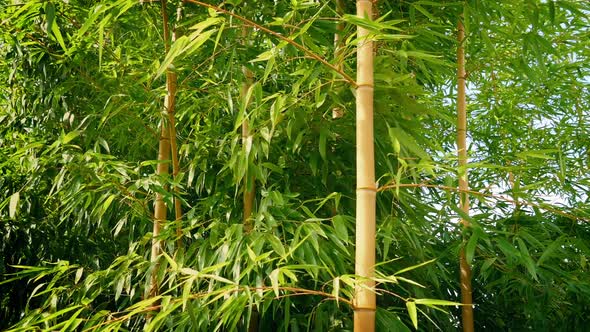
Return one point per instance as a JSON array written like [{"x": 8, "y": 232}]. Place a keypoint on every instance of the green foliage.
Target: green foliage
[{"x": 81, "y": 100}]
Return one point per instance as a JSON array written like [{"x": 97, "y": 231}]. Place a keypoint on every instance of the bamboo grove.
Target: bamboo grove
[{"x": 303, "y": 165}]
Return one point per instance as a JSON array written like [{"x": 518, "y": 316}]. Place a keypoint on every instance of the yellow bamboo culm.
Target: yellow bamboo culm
[
  {"x": 250, "y": 182},
  {"x": 171, "y": 87},
  {"x": 365, "y": 301},
  {"x": 167, "y": 146},
  {"x": 465, "y": 277},
  {"x": 171, "y": 94},
  {"x": 160, "y": 209}
]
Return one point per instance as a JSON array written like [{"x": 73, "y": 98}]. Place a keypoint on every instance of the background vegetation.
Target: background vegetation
[{"x": 81, "y": 107}]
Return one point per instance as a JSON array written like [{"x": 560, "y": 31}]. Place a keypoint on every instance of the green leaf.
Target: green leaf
[
  {"x": 187, "y": 45},
  {"x": 436, "y": 302},
  {"x": 119, "y": 288},
  {"x": 413, "y": 267},
  {"x": 407, "y": 142},
  {"x": 58, "y": 36},
  {"x": 425, "y": 12},
  {"x": 409, "y": 281},
  {"x": 276, "y": 244},
  {"x": 389, "y": 321},
  {"x": 549, "y": 251},
  {"x": 49, "y": 16},
  {"x": 541, "y": 154},
  {"x": 412, "y": 312},
  {"x": 274, "y": 281},
  {"x": 323, "y": 139},
  {"x": 506, "y": 247},
  {"x": 70, "y": 136},
  {"x": 12, "y": 206},
  {"x": 336, "y": 289},
  {"x": 488, "y": 262},
  {"x": 526, "y": 257},
  {"x": 78, "y": 276},
  {"x": 340, "y": 227},
  {"x": 551, "y": 4},
  {"x": 186, "y": 291},
  {"x": 470, "y": 247},
  {"x": 107, "y": 202},
  {"x": 101, "y": 34},
  {"x": 466, "y": 18}
]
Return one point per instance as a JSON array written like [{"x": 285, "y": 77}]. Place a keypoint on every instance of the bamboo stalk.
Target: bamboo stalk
[
  {"x": 365, "y": 300},
  {"x": 249, "y": 190},
  {"x": 167, "y": 146},
  {"x": 171, "y": 87},
  {"x": 250, "y": 182},
  {"x": 160, "y": 208},
  {"x": 465, "y": 274}
]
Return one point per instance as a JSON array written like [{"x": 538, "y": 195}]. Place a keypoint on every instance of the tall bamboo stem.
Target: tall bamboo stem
[
  {"x": 167, "y": 146},
  {"x": 250, "y": 182},
  {"x": 465, "y": 277},
  {"x": 160, "y": 208},
  {"x": 171, "y": 86},
  {"x": 365, "y": 301}
]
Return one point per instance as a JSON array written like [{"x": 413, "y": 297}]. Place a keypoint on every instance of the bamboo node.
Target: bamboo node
[
  {"x": 365, "y": 309},
  {"x": 364, "y": 85},
  {"x": 374, "y": 189}
]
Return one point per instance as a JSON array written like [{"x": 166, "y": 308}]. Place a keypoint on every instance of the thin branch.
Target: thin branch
[
  {"x": 477, "y": 193},
  {"x": 349, "y": 79},
  {"x": 296, "y": 292}
]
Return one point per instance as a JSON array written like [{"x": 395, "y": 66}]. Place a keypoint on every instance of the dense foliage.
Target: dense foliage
[{"x": 81, "y": 102}]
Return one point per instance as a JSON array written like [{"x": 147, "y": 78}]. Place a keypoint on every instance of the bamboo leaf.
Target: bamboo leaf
[
  {"x": 49, "y": 16},
  {"x": 274, "y": 281},
  {"x": 70, "y": 136},
  {"x": 12, "y": 206},
  {"x": 410, "y": 268},
  {"x": 549, "y": 251},
  {"x": 412, "y": 312},
  {"x": 436, "y": 302},
  {"x": 409, "y": 281},
  {"x": 58, "y": 36},
  {"x": 388, "y": 321},
  {"x": 340, "y": 227},
  {"x": 336, "y": 290},
  {"x": 186, "y": 291},
  {"x": 187, "y": 45},
  {"x": 119, "y": 288},
  {"x": 470, "y": 247},
  {"x": 526, "y": 257},
  {"x": 171, "y": 261},
  {"x": 323, "y": 139},
  {"x": 78, "y": 276}
]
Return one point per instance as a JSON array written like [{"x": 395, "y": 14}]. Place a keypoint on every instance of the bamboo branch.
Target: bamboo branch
[
  {"x": 129, "y": 313},
  {"x": 477, "y": 193},
  {"x": 281, "y": 37}
]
